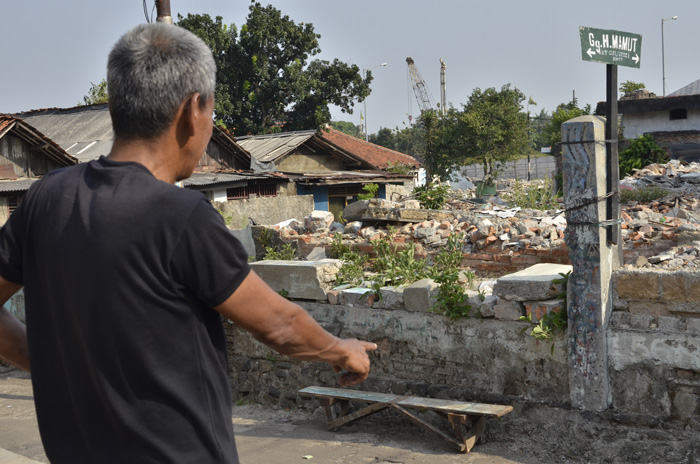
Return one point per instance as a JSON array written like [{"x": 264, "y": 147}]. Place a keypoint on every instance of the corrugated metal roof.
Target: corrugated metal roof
[
  {"x": 18, "y": 185},
  {"x": 271, "y": 147},
  {"x": 210, "y": 178},
  {"x": 690, "y": 89},
  {"x": 84, "y": 132}
]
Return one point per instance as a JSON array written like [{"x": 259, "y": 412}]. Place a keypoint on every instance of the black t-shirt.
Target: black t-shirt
[{"x": 128, "y": 358}]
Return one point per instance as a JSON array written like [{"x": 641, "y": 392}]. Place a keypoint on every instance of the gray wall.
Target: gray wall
[{"x": 268, "y": 210}]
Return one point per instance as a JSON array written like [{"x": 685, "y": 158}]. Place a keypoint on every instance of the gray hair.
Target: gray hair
[{"x": 151, "y": 70}]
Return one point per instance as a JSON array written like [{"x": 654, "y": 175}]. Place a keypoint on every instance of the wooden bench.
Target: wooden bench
[{"x": 468, "y": 420}]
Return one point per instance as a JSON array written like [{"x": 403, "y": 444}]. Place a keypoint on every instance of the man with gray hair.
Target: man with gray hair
[{"x": 127, "y": 277}]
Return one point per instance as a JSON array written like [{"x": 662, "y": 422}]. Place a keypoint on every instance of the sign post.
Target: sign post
[{"x": 611, "y": 47}]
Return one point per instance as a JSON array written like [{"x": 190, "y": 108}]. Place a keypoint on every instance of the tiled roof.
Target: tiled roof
[
  {"x": 200, "y": 179},
  {"x": 376, "y": 155}
]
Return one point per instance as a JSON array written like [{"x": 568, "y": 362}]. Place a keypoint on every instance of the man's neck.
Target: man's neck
[{"x": 152, "y": 154}]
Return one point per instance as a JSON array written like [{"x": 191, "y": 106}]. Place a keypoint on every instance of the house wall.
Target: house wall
[
  {"x": 16, "y": 152},
  {"x": 318, "y": 193},
  {"x": 307, "y": 161},
  {"x": 637, "y": 124},
  {"x": 217, "y": 158}
]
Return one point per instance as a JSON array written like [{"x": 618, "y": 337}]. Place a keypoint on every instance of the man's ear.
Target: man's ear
[{"x": 191, "y": 111}]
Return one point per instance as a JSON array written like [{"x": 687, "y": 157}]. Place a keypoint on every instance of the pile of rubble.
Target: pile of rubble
[{"x": 662, "y": 233}]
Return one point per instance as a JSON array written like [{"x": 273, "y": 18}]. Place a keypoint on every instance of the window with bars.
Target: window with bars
[{"x": 262, "y": 189}]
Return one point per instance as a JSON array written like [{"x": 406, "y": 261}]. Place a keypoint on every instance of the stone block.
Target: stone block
[
  {"x": 637, "y": 285},
  {"x": 356, "y": 296},
  {"x": 533, "y": 283},
  {"x": 419, "y": 295},
  {"x": 355, "y": 210},
  {"x": 353, "y": 227},
  {"x": 506, "y": 310},
  {"x": 392, "y": 298},
  {"x": 318, "y": 221},
  {"x": 487, "y": 308},
  {"x": 309, "y": 280},
  {"x": 540, "y": 308}
]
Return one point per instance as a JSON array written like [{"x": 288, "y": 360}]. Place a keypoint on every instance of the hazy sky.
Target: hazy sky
[{"x": 53, "y": 50}]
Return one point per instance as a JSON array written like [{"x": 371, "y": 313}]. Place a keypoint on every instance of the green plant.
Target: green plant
[
  {"x": 265, "y": 237},
  {"x": 286, "y": 253},
  {"x": 432, "y": 196},
  {"x": 338, "y": 249},
  {"x": 452, "y": 300},
  {"x": 538, "y": 194},
  {"x": 370, "y": 191},
  {"x": 643, "y": 194},
  {"x": 283, "y": 293},
  {"x": 553, "y": 323},
  {"x": 398, "y": 267},
  {"x": 352, "y": 270},
  {"x": 642, "y": 151}
]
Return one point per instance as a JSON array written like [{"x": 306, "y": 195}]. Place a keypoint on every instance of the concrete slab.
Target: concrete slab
[
  {"x": 533, "y": 283},
  {"x": 307, "y": 280},
  {"x": 8, "y": 457}
]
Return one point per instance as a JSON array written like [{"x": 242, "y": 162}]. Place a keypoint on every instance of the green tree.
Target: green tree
[
  {"x": 346, "y": 128},
  {"x": 221, "y": 39},
  {"x": 563, "y": 113},
  {"x": 492, "y": 129},
  {"x": 628, "y": 87},
  {"x": 96, "y": 94},
  {"x": 266, "y": 80},
  {"x": 384, "y": 137}
]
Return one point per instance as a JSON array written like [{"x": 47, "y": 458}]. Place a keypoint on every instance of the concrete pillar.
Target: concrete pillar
[{"x": 593, "y": 259}]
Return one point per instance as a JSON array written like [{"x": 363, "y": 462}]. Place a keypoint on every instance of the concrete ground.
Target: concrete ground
[{"x": 531, "y": 435}]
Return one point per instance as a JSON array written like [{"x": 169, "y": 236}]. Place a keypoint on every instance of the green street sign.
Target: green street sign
[{"x": 611, "y": 47}]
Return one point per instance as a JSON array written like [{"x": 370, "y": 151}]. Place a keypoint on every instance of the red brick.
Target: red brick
[
  {"x": 478, "y": 256},
  {"x": 524, "y": 260},
  {"x": 504, "y": 258},
  {"x": 668, "y": 235},
  {"x": 491, "y": 239},
  {"x": 560, "y": 253},
  {"x": 493, "y": 249},
  {"x": 530, "y": 251},
  {"x": 543, "y": 252}
]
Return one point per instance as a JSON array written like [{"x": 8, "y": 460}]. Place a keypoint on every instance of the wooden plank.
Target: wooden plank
[
  {"x": 352, "y": 395},
  {"x": 434, "y": 404}
]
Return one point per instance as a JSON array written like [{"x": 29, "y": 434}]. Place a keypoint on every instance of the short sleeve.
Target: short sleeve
[
  {"x": 208, "y": 260},
  {"x": 11, "y": 236}
]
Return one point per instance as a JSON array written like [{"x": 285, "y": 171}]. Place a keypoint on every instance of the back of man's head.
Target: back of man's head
[{"x": 151, "y": 70}]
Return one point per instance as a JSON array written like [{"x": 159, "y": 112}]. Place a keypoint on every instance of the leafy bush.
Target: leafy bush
[
  {"x": 643, "y": 194},
  {"x": 432, "y": 196},
  {"x": 552, "y": 323},
  {"x": 370, "y": 191},
  {"x": 451, "y": 298},
  {"x": 539, "y": 194},
  {"x": 286, "y": 253},
  {"x": 642, "y": 151}
]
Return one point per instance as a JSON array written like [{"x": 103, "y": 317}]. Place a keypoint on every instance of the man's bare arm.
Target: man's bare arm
[
  {"x": 287, "y": 328},
  {"x": 13, "y": 334}
]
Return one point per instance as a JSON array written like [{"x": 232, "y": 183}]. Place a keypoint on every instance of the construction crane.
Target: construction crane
[{"x": 425, "y": 100}]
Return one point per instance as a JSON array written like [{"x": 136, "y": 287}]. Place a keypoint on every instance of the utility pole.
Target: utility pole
[
  {"x": 163, "y": 8},
  {"x": 443, "y": 87}
]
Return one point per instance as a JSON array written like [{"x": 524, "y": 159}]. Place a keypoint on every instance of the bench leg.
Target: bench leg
[
  {"x": 459, "y": 444},
  {"x": 335, "y": 421},
  {"x": 476, "y": 431}
]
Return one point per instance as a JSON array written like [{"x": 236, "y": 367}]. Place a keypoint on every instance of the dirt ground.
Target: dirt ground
[{"x": 532, "y": 435}]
